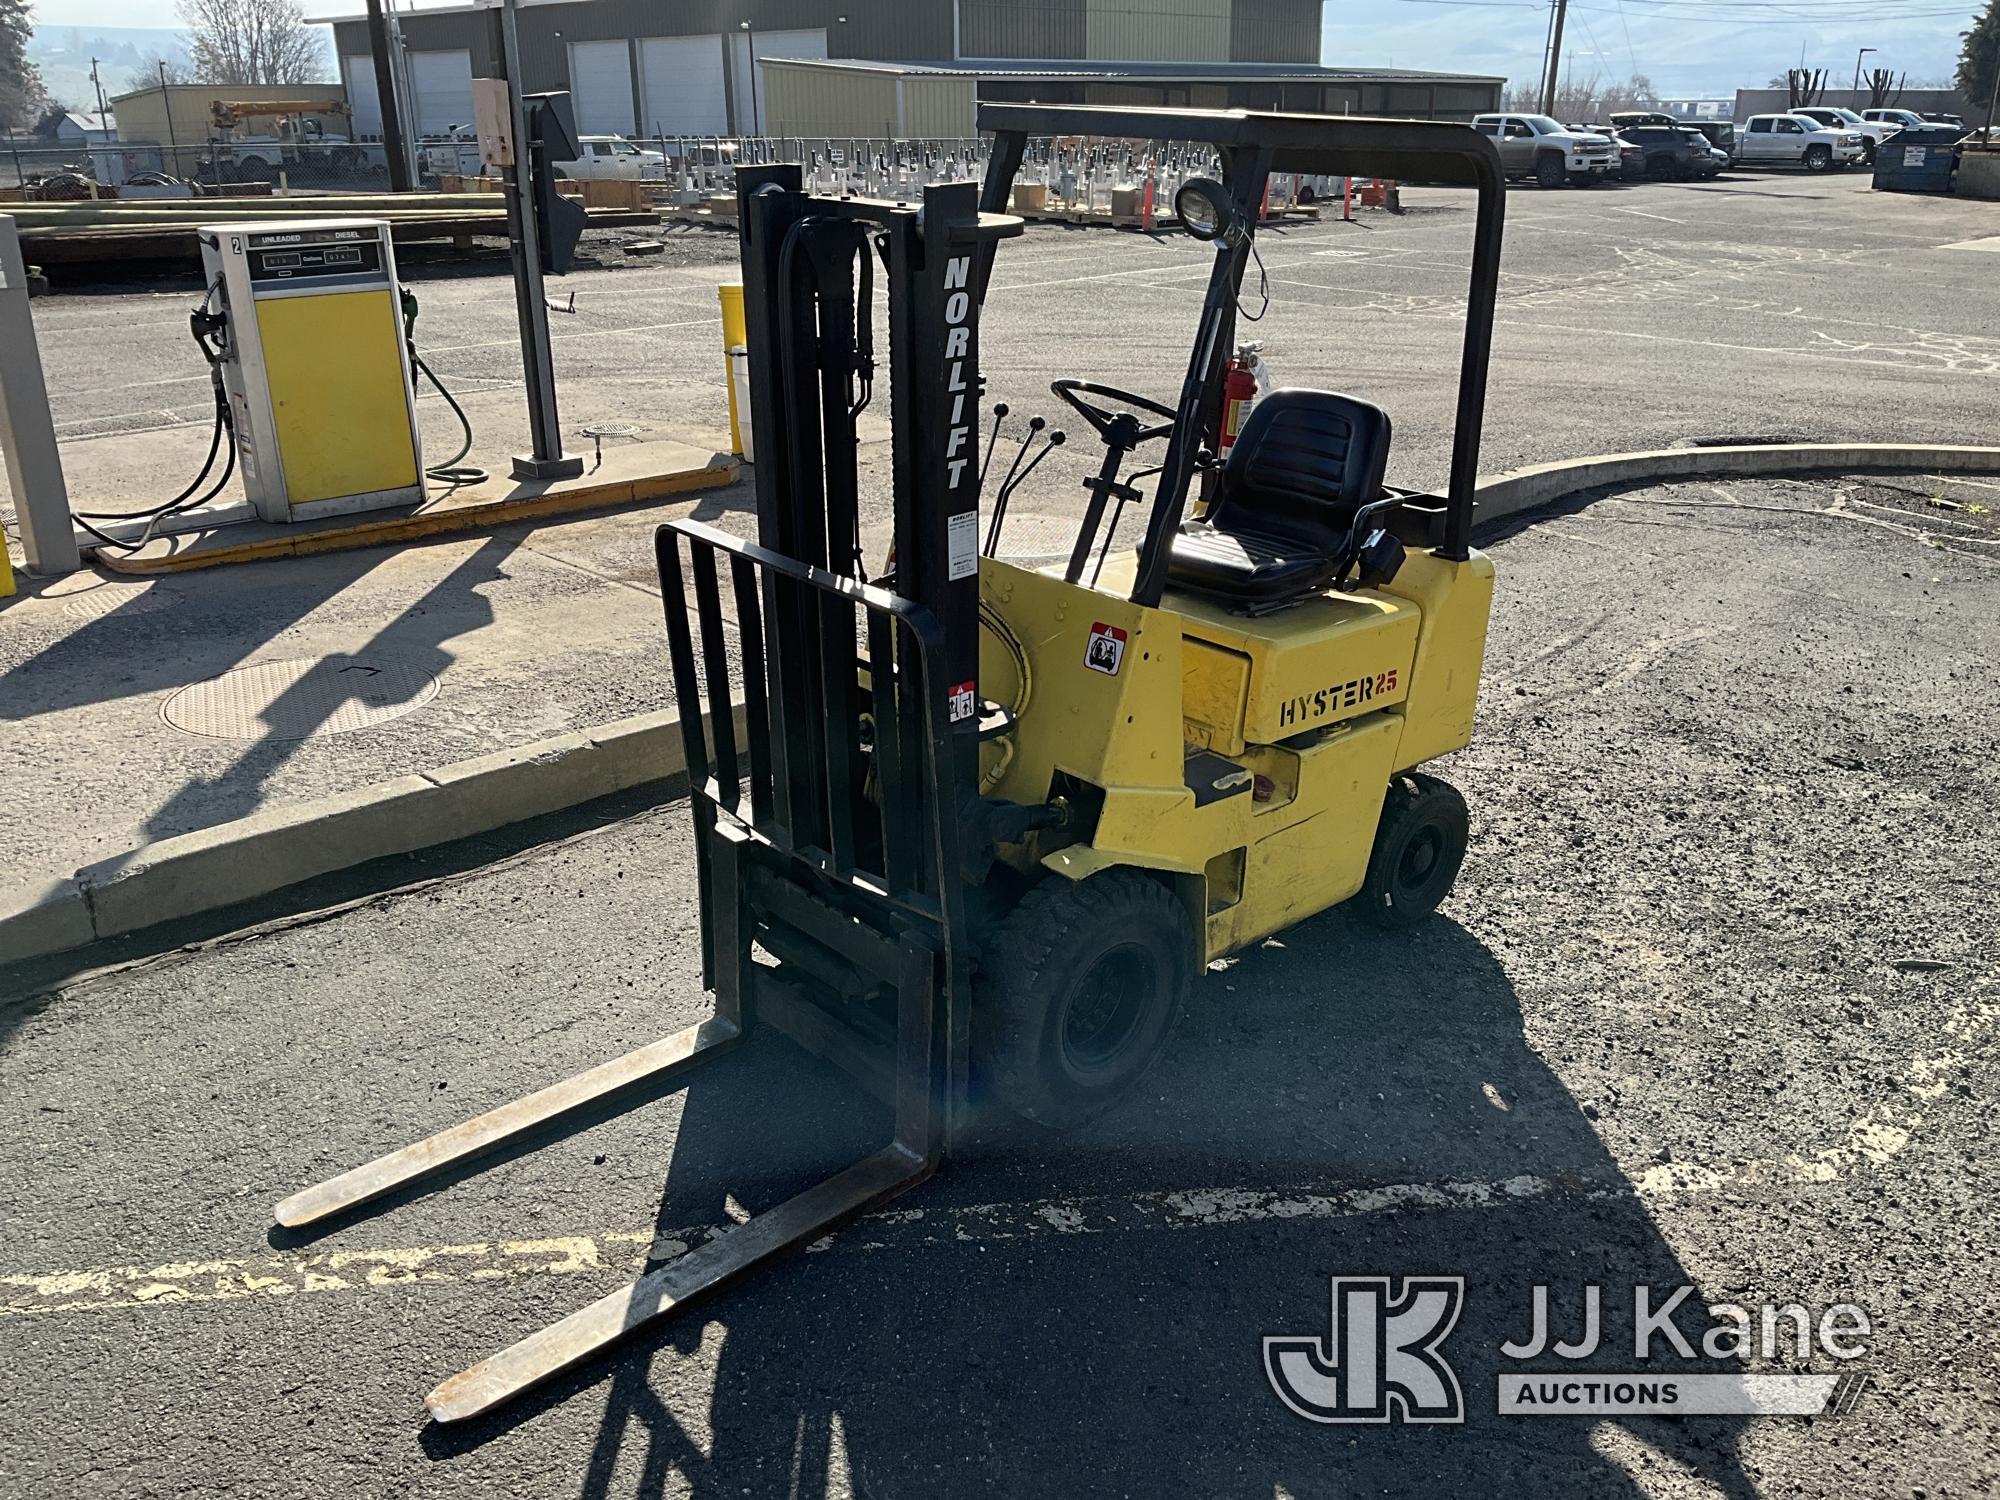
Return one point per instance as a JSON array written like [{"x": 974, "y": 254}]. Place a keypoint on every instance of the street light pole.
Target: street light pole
[{"x": 1857, "y": 67}]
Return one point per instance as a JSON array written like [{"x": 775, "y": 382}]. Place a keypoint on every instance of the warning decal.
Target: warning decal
[{"x": 1106, "y": 651}]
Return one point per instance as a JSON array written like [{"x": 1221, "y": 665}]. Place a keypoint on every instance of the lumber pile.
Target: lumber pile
[{"x": 124, "y": 229}]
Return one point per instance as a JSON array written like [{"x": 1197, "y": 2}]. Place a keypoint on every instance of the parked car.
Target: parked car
[
  {"x": 1631, "y": 158},
  {"x": 1899, "y": 118},
  {"x": 1546, "y": 150},
  {"x": 613, "y": 158},
  {"x": 1795, "y": 140},
  {"x": 1872, "y": 132},
  {"x": 1943, "y": 118},
  {"x": 1673, "y": 153},
  {"x": 1720, "y": 133}
]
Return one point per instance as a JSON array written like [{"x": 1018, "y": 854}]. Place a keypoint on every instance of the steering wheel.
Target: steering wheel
[{"x": 1117, "y": 428}]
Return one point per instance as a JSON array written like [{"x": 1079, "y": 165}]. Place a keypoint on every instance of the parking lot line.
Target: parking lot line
[{"x": 1872, "y": 1140}]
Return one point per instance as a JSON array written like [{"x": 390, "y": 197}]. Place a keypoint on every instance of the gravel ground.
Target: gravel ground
[{"x": 1713, "y": 1003}]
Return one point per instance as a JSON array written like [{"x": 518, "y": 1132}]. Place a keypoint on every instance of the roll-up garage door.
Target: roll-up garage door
[
  {"x": 442, "y": 83},
  {"x": 359, "y": 75},
  {"x": 680, "y": 79},
  {"x": 600, "y": 83},
  {"x": 805, "y": 43}
]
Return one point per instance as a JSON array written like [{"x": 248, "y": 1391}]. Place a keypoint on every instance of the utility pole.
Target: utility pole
[
  {"x": 385, "y": 94},
  {"x": 99, "y": 83},
  {"x": 1992, "y": 99},
  {"x": 1555, "y": 59},
  {"x": 174, "y": 168}
]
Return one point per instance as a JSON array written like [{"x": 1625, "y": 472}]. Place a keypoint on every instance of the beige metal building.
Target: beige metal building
[
  {"x": 854, "y": 98},
  {"x": 849, "y": 97}
]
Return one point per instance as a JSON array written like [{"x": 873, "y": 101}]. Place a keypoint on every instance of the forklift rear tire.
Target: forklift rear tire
[
  {"x": 1419, "y": 846},
  {"x": 1079, "y": 989}
]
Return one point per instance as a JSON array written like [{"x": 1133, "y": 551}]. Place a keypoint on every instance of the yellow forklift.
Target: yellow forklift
[{"x": 971, "y": 829}]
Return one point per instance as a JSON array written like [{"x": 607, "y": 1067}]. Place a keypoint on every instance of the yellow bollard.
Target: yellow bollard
[
  {"x": 733, "y": 333},
  {"x": 6, "y": 570}
]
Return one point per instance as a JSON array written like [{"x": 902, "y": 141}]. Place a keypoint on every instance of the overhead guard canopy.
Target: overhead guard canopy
[
  {"x": 1253, "y": 144},
  {"x": 1315, "y": 145}
]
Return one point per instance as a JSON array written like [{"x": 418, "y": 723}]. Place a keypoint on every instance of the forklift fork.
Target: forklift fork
[{"x": 783, "y": 855}]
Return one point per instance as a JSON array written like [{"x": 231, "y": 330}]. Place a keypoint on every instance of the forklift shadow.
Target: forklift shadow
[{"x": 1083, "y": 1314}]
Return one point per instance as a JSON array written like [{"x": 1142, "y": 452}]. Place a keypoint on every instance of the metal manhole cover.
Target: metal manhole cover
[
  {"x": 610, "y": 429},
  {"x": 102, "y": 599},
  {"x": 292, "y": 700}
]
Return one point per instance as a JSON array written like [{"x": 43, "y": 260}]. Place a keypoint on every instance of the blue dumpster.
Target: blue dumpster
[{"x": 1918, "y": 159}]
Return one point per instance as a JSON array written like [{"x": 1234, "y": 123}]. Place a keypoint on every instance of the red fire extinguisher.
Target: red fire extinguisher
[{"x": 1243, "y": 381}]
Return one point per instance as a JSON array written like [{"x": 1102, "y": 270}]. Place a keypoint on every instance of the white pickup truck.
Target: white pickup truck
[
  {"x": 1795, "y": 140},
  {"x": 1872, "y": 132},
  {"x": 613, "y": 158},
  {"x": 1547, "y": 150}
]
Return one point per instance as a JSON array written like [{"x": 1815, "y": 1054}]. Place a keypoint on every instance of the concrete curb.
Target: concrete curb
[
  {"x": 253, "y": 856},
  {"x": 1523, "y": 489},
  {"x": 281, "y": 846}
]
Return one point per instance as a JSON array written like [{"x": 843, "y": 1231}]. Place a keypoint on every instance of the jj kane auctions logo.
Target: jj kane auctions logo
[{"x": 1382, "y": 1358}]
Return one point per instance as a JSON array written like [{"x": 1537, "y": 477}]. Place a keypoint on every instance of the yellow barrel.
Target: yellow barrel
[{"x": 733, "y": 334}]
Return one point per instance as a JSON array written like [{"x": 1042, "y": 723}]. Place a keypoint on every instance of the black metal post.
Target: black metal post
[
  {"x": 547, "y": 460},
  {"x": 385, "y": 94},
  {"x": 1245, "y": 171}
]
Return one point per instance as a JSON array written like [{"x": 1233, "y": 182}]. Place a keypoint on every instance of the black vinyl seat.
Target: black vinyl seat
[{"x": 1282, "y": 522}]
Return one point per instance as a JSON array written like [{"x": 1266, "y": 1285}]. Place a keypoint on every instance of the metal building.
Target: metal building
[{"x": 636, "y": 67}]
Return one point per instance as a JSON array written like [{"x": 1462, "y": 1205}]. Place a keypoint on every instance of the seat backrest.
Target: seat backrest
[{"x": 1304, "y": 462}]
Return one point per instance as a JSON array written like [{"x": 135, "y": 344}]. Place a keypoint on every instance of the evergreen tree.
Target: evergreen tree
[
  {"x": 22, "y": 96},
  {"x": 1978, "y": 61}
]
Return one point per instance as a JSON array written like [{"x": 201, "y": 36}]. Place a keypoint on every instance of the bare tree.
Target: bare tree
[
  {"x": 253, "y": 41},
  {"x": 1805, "y": 86},
  {"x": 1883, "y": 87},
  {"x": 1586, "y": 99},
  {"x": 158, "y": 67}
]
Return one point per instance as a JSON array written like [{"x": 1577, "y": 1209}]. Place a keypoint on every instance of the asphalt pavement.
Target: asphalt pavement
[{"x": 1713, "y": 1003}]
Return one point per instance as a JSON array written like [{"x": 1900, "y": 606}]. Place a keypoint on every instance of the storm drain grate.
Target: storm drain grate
[{"x": 295, "y": 700}]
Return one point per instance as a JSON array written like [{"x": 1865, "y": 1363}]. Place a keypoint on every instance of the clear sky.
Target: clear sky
[{"x": 1684, "y": 46}]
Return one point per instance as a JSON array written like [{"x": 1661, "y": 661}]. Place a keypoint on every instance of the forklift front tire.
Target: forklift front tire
[
  {"x": 1079, "y": 989},
  {"x": 1419, "y": 846}
]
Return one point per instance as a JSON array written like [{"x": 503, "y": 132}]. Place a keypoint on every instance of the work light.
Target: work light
[{"x": 1202, "y": 207}]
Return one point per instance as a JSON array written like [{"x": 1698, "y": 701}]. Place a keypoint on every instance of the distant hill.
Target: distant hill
[
  {"x": 1711, "y": 50},
  {"x": 63, "y": 55}
]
